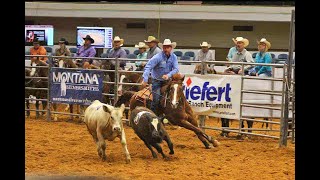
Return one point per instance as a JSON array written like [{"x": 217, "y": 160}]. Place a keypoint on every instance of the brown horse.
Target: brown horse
[
  {"x": 198, "y": 68},
  {"x": 177, "y": 110}
]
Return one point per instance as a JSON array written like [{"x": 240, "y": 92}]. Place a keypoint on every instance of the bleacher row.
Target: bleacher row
[{"x": 188, "y": 55}]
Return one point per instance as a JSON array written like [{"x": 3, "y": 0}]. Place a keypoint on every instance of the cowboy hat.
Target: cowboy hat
[
  {"x": 89, "y": 38},
  {"x": 63, "y": 40},
  {"x": 264, "y": 40},
  {"x": 241, "y": 39},
  {"x": 117, "y": 38},
  {"x": 167, "y": 42},
  {"x": 151, "y": 39},
  {"x": 141, "y": 45},
  {"x": 205, "y": 44}
]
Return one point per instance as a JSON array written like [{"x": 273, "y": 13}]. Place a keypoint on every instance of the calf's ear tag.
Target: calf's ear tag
[{"x": 165, "y": 121}]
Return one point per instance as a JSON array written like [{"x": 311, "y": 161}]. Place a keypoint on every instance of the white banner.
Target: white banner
[{"x": 213, "y": 94}]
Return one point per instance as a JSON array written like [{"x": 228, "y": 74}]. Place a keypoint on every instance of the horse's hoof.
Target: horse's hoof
[
  {"x": 128, "y": 160},
  {"x": 171, "y": 152},
  {"x": 216, "y": 143},
  {"x": 209, "y": 147},
  {"x": 104, "y": 158}
]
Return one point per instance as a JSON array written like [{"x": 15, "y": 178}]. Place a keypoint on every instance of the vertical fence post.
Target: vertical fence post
[
  {"x": 202, "y": 119},
  {"x": 241, "y": 97},
  {"x": 284, "y": 122},
  {"x": 48, "y": 92},
  {"x": 116, "y": 81}
]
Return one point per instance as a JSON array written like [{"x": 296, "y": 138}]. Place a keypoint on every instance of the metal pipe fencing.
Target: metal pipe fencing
[{"x": 272, "y": 106}]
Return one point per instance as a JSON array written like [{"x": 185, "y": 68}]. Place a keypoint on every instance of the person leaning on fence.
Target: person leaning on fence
[
  {"x": 117, "y": 52},
  {"x": 242, "y": 55},
  {"x": 37, "y": 49},
  {"x": 63, "y": 50},
  {"x": 142, "y": 53},
  {"x": 204, "y": 54},
  {"x": 152, "y": 42},
  {"x": 86, "y": 50},
  {"x": 232, "y": 51},
  {"x": 262, "y": 57},
  {"x": 162, "y": 66}
]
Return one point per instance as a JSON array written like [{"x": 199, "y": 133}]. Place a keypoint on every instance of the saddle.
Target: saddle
[{"x": 144, "y": 94}]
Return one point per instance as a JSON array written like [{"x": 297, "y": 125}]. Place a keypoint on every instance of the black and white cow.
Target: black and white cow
[{"x": 150, "y": 130}]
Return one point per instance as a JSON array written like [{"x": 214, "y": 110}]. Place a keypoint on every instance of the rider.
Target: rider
[{"x": 162, "y": 66}]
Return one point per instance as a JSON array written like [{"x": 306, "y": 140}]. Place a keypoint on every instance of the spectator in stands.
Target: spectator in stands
[
  {"x": 86, "y": 50},
  {"x": 37, "y": 49},
  {"x": 142, "y": 53},
  {"x": 63, "y": 50},
  {"x": 242, "y": 55},
  {"x": 152, "y": 42},
  {"x": 262, "y": 57},
  {"x": 232, "y": 50},
  {"x": 117, "y": 52},
  {"x": 162, "y": 66},
  {"x": 204, "y": 54},
  {"x": 142, "y": 50}
]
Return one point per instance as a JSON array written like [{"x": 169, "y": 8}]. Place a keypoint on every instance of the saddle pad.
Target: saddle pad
[{"x": 144, "y": 94}]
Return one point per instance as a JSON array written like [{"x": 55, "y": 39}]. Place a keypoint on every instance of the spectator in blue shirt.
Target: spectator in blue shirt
[
  {"x": 262, "y": 57},
  {"x": 232, "y": 50},
  {"x": 162, "y": 66}
]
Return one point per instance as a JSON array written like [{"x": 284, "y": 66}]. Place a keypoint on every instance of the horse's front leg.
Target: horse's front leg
[
  {"x": 124, "y": 146},
  {"x": 37, "y": 108},
  {"x": 28, "y": 107},
  {"x": 44, "y": 105}
]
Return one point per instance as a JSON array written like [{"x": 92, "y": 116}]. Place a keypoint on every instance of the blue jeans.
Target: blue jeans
[{"x": 156, "y": 88}]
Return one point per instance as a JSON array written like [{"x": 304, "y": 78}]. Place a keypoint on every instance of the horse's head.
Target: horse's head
[
  {"x": 176, "y": 90},
  {"x": 115, "y": 116}
]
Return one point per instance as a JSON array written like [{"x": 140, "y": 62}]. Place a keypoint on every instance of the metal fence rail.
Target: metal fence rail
[{"x": 271, "y": 106}]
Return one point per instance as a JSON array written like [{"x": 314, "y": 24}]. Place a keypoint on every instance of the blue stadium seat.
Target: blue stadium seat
[
  {"x": 49, "y": 49},
  {"x": 127, "y": 51},
  {"x": 104, "y": 55},
  {"x": 178, "y": 53},
  {"x": 136, "y": 52},
  {"x": 273, "y": 56},
  {"x": 186, "y": 58},
  {"x": 73, "y": 50},
  {"x": 283, "y": 56},
  {"x": 132, "y": 56},
  {"x": 254, "y": 55},
  {"x": 189, "y": 53}
]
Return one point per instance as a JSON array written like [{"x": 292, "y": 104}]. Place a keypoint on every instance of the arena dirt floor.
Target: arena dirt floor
[{"x": 66, "y": 149}]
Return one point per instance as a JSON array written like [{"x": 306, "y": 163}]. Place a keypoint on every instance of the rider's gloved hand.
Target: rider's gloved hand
[{"x": 165, "y": 77}]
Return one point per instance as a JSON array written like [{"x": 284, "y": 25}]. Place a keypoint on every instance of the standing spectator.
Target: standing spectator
[
  {"x": 152, "y": 42},
  {"x": 86, "y": 50},
  {"x": 232, "y": 50},
  {"x": 242, "y": 55},
  {"x": 262, "y": 57},
  {"x": 117, "y": 52},
  {"x": 37, "y": 49}
]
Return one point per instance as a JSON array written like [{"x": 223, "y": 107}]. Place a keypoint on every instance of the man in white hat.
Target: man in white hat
[
  {"x": 162, "y": 66},
  {"x": 152, "y": 42},
  {"x": 204, "y": 54},
  {"x": 117, "y": 52},
  {"x": 242, "y": 55}
]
